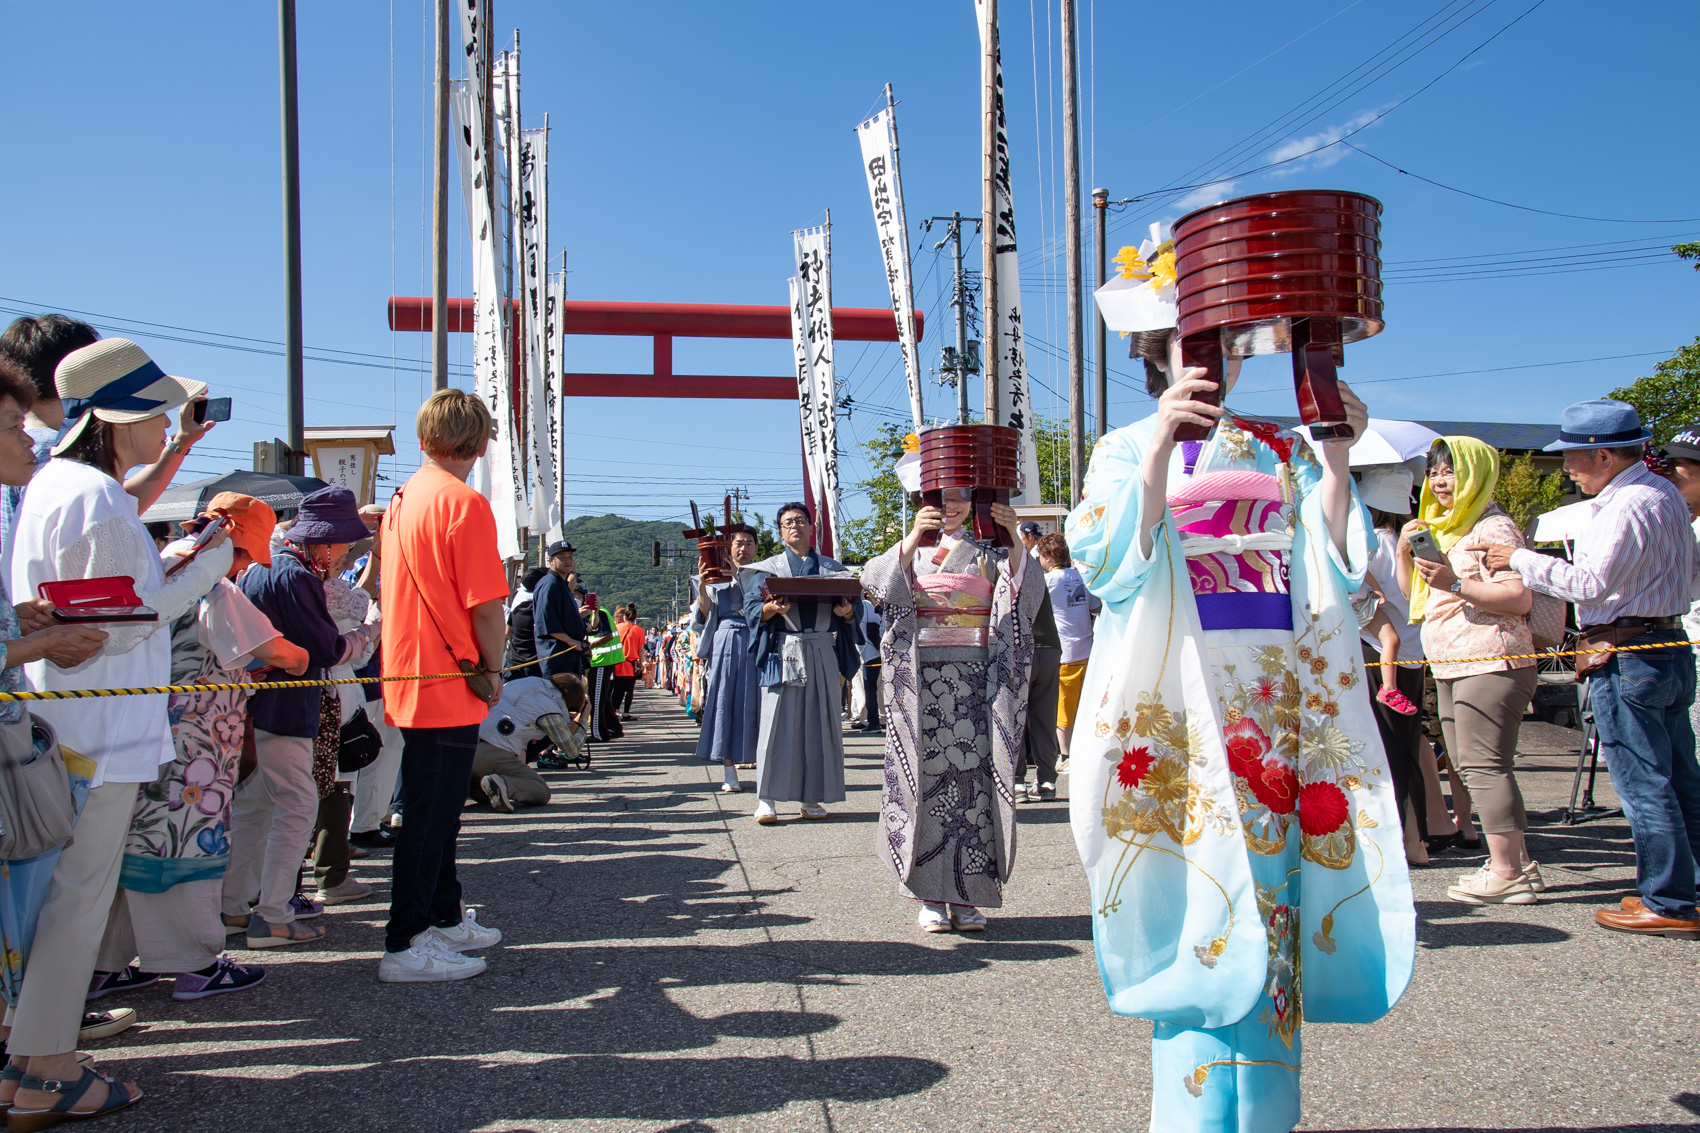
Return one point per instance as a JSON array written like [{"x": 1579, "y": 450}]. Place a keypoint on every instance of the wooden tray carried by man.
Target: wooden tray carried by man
[{"x": 812, "y": 586}]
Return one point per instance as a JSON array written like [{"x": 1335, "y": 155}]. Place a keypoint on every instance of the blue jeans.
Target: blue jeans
[
  {"x": 1640, "y": 705},
  {"x": 436, "y": 765}
]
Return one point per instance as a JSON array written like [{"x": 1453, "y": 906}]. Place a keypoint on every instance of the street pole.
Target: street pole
[
  {"x": 961, "y": 305},
  {"x": 294, "y": 401},
  {"x": 989, "y": 210},
  {"x": 1100, "y": 210},
  {"x": 1071, "y": 216},
  {"x": 440, "y": 211}
]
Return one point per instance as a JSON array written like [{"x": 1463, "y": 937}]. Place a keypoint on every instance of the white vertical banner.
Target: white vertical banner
[
  {"x": 806, "y": 391},
  {"x": 510, "y": 153},
  {"x": 1015, "y": 403},
  {"x": 878, "y": 136},
  {"x": 492, "y": 367},
  {"x": 532, "y": 282},
  {"x": 555, "y": 389},
  {"x": 813, "y": 248}
]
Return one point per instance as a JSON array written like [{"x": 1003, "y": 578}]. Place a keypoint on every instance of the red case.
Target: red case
[{"x": 96, "y": 600}]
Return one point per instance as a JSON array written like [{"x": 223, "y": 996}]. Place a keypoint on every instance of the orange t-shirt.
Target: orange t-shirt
[
  {"x": 631, "y": 640},
  {"x": 439, "y": 546}
]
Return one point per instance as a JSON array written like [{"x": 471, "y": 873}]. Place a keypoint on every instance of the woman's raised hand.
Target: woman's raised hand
[
  {"x": 928, "y": 518},
  {"x": 1178, "y": 406}
]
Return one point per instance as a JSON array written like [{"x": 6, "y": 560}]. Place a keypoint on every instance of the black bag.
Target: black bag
[{"x": 361, "y": 743}]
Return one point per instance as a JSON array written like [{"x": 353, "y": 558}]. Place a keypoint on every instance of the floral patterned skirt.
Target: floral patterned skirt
[
  {"x": 955, "y": 845},
  {"x": 1244, "y": 1078}
]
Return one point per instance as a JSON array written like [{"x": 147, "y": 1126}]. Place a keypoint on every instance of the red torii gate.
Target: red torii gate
[{"x": 664, "y": 322}]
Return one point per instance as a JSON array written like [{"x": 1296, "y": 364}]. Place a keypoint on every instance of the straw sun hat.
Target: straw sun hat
[{"x": 116, "y": 381}]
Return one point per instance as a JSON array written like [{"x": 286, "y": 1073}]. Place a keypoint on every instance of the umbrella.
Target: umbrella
[
  {"x": 1386, "y": 442},
  {"x": 185, "y": 501}
]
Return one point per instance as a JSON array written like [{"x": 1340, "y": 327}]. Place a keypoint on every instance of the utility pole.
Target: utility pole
[
  {"x": 964, "y": 358},
  {"x": 1100, "y": 210},
  {"x": 440, "y": 211},
  {"x": 989, "y": 208},
  {"x": 1071, "y": 215},
  {"x": 294, "y": 401}
]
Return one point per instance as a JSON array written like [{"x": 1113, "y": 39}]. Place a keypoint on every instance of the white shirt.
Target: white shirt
[
  {"x": 1072, "y": 607},
  {"x": 523, "y": 714},
  {"x": 1397, "y": 605},
  {"x": 77, "y": 522}
]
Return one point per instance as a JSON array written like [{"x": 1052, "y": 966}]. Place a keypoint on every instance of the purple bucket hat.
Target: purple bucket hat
[{"x": 328, "y": 515}]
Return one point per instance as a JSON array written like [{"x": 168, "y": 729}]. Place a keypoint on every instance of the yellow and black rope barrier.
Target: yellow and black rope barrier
[{"x": 246, "y": 686}]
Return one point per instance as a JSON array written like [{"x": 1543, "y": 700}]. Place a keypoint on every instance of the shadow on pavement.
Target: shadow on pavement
[{"x": 1448, "y": 924}]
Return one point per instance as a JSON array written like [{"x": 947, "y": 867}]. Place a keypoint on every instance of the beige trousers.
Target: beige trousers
[
  {"x": 271, "y": 826},
  {"x": 525, "y": 786},
  {"x": 175, "y": 931},
  {"x": 56, "y": 984},
  {"x": 1479, "y": 718}
]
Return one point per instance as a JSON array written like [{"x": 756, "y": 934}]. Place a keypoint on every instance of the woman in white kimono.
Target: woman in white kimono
[
  {"x": 1229, "y": 797},
  {"x": 957, "y": 653}
]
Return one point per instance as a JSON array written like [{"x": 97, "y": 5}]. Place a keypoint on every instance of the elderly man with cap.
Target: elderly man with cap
[
  {"x": 1632, "y": 580},
  {"x": 277, "y": 806},
  {"x": 166, "y": 913},
  {"x": 557, "y": 625}
]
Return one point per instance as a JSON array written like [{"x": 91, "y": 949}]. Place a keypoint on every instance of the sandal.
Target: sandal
[
  {"x": 118, "y": 1096},
  {"x": 1396, "y": 700},
  {"x": 12, "y": 1074}
]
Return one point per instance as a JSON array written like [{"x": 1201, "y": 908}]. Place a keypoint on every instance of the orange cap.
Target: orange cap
[{"x": 251, "y": 523}]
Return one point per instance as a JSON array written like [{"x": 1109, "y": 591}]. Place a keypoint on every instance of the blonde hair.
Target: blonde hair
[{"x": 454, "y": 424}]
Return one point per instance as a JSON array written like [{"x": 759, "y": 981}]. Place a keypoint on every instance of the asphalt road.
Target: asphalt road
[{"x": 671, "y": 966}]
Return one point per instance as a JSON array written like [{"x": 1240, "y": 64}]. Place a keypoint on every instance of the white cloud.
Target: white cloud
[
  {"x": 1204, "y": 195},
  {"x": 1318, "y": 151}
]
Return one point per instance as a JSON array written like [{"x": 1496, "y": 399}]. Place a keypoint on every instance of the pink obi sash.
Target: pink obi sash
[
  {"x": 1235, "y": 537},
  {"x": 954, "y": 610}
]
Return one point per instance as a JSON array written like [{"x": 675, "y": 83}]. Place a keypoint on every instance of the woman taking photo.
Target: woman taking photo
[
  {"x": 77, "y": 521},
  {"x": 1468, "y": 612}
]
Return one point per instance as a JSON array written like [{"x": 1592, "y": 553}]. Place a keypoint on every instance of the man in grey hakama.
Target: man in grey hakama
[
  {"x": 801, "y": 649},
  {"x": 731, "y": 703}
]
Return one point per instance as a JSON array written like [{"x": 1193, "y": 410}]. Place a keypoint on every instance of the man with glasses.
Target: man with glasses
[{"x": 804, "y": 649}]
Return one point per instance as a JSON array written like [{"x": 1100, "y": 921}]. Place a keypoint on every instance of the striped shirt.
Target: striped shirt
[{"x": 1635, "y": 558}]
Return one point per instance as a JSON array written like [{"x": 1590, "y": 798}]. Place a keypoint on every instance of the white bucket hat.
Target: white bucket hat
[{"x": 116, "y": 381}]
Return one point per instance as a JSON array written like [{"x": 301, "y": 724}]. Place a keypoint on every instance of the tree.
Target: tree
[
  {"x": 1051, "y": 439},
  {"x": 1524, "y": 493},
  {"x": 1689, "y": 252},
  {"x": 1669, "y": 397}
]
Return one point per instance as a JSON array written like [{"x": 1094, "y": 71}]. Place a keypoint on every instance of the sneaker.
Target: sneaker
[
  {"x": 935, "y": 917},
  {"x": 105, "y": 1024},
  {"x": 815, "y": 811},
  {"x": 1532, "y": 874},
  {"x": 1047, "y": 792},
  {"x": 304, "y": 909},
  {"x": 765, "y": 814},
  {"x": 1484, "y": 887},
  {"x": 227, "y": 976},
  {"x": 468, "y": 935},
  {"x": 1020, "y": 792},
  {"x": 349, "y": 890},
  {"x": 553, "y": 761},
  {"x": 496, "y": 788},
  {"x": 966, "y": 918},
  {"x": 108, "y": 983},
  {"x": 378, "y": 839},
  {"x": 263, "y": 935},
  {"x": 427, "y": 961}
]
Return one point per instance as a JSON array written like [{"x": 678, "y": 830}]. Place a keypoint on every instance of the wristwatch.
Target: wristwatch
[{"x": 1457, "y": 586}]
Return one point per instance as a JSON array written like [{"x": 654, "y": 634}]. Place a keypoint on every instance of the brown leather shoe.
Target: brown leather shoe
[
  {"x": 1631, "y": 905},
  {"x": 1647, "y": 923}
]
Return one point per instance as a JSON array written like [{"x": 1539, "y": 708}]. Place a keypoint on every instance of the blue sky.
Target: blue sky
[{"x": 689, "y": 139}]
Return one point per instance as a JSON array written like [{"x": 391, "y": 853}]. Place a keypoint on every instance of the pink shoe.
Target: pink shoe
[{"x": 1396, "y": 700}]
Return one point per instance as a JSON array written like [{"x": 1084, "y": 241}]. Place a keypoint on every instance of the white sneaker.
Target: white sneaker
[
  {"x": 496, "y": 788},
  {"x": 349, "y": 890},
  {"x": 935, "y": 917},
  {"x": 427, "y": 961},
  {"x": 765, "y": 814},
  {"x": 468, "y": 935}
]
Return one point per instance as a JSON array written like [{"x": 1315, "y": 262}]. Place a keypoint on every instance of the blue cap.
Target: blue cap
[{"x": 1601, "y": 423}]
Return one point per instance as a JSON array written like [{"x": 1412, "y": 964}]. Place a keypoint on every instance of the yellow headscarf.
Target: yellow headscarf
[{"x": 1475, "y": 469}]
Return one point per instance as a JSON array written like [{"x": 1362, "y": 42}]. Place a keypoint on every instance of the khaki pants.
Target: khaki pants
[
  {"x": 170, "y": 932},
  {"x": 525, "y": 786},
  {"x": 271, "y": 825},
  {"x": 50, "y": 1006},
  {"x": 1479, "y": 716}
]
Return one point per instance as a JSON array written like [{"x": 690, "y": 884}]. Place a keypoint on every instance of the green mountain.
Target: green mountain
[{"x": 613, "y": 556}]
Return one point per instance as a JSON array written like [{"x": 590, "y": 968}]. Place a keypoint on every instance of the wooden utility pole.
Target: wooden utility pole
[
  {"x": 440, "y": 211},
  {"x": 1071, "y": 216},
  {"x": 294, "y": 401},
  {"x": 989, "y": 211},
  {"x": 1100, "y": 210}
]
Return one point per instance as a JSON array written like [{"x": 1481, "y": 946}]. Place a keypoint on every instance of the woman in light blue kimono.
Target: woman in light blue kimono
[
  {"x": 731, "y": 704},
  {"x": 1229, "y": 795}
]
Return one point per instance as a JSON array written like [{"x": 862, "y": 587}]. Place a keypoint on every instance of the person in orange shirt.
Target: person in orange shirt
[
  {"x": 443, "y": 595},
  {"x": 626, "y": 673}
]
